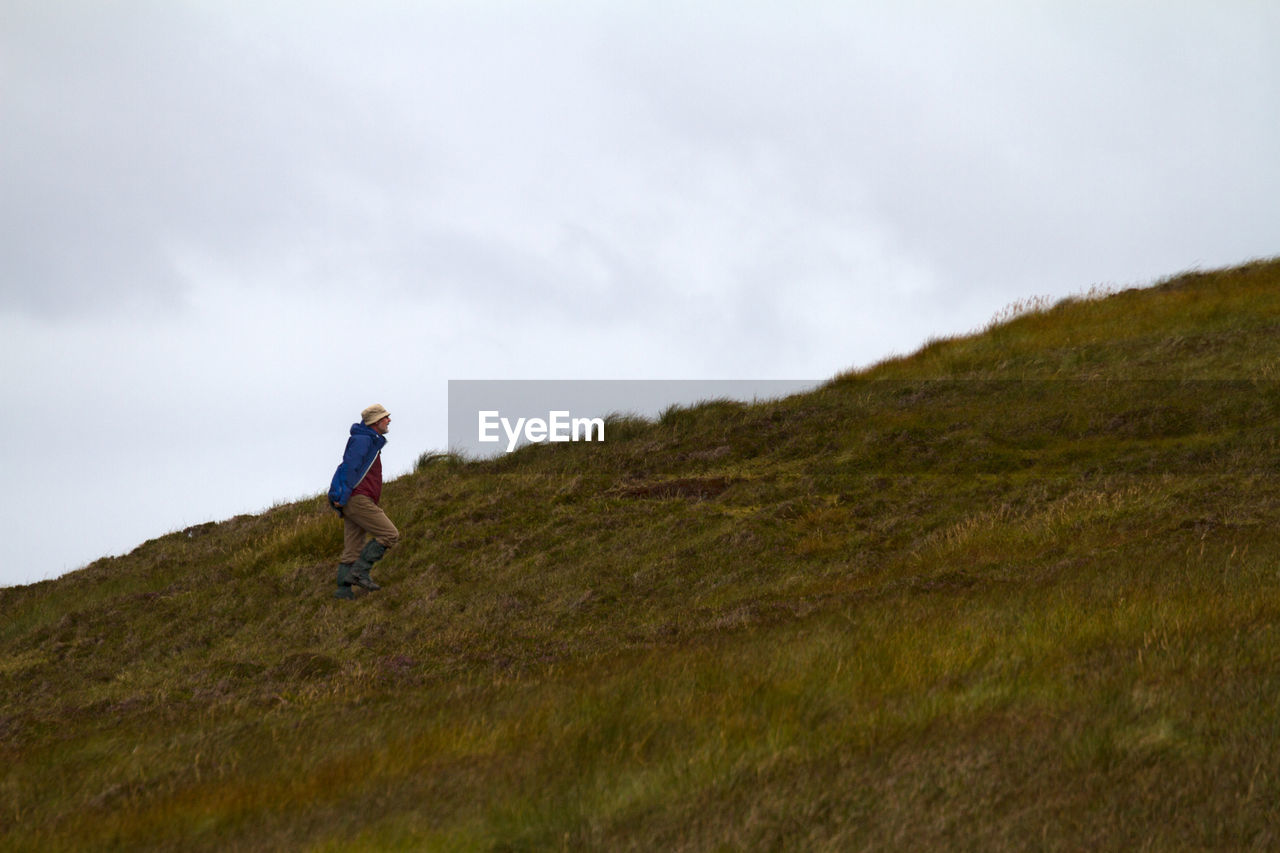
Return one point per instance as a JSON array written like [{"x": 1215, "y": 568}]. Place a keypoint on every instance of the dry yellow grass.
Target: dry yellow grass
[{"x": 1019, "y": 590}]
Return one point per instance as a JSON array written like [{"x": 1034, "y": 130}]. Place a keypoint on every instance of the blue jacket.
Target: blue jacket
[{"x": 363, "y": 447}]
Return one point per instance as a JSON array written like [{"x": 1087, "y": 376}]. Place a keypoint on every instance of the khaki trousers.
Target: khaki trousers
[{"x": 364, "y": 518}]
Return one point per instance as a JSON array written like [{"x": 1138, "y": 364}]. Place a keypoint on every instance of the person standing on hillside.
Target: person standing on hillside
[{"x": 355, "y": 492}]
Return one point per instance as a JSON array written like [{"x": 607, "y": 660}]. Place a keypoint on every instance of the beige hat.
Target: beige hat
[{"x": 373, "y": 414}]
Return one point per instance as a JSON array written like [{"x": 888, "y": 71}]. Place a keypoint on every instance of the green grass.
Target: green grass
[{"x": 1018, "y": 590}]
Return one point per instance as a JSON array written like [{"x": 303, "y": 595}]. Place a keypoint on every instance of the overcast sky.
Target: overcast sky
[{"x": 227, "y": 227}]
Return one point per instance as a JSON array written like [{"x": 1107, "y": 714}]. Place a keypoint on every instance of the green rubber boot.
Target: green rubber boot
[
  {"x": 372, "y": 553},
  {"x": 344, "y": 581}
]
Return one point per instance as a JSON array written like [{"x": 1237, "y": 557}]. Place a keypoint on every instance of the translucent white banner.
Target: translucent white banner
[{"x": 493, "y": 416}]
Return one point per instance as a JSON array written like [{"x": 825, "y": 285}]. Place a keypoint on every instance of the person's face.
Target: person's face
[{"x": 383, "y": 425}]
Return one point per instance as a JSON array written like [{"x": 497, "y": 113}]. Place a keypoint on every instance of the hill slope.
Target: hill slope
[{"x": 1019, "y": 589}]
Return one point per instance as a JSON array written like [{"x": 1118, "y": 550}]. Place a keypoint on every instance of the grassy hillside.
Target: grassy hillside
[{"x": 1019, "y": 589}]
